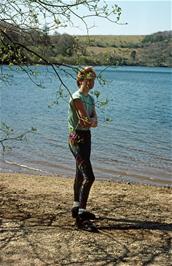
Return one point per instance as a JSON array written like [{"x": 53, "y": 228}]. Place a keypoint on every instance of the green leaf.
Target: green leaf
[{"x": 97, "y": 93}]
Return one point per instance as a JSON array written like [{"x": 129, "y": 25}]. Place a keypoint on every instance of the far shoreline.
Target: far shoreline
[{"x": 38, "y": 64}]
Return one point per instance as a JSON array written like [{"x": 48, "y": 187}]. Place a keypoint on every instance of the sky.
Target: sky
[{"x": 143, "y": 17}]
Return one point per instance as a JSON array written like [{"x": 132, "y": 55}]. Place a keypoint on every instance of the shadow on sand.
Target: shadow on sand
[{"x": 109, "y": 223}]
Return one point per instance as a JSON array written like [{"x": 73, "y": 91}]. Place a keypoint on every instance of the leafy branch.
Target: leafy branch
[
  {"x": 9, "y": 135},
  {"x": 56, "y": 13},
  {"x": 26, "y": 15}
]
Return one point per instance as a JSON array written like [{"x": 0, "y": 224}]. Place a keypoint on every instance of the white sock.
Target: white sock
[
  {"x": 75, "y": 204},
  {"x": 81, "y": 210}
]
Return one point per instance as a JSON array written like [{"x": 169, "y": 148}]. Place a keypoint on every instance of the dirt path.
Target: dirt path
[{"x": 135, "y": 223}]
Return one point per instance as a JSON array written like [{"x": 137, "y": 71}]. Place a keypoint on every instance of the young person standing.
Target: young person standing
[{"x": 82, "y": 116}]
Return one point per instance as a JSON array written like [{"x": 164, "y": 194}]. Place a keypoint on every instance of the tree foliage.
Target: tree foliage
[
  {"x": 32, "y": 14},
  {"x": 65, "y": 45},
  {"x": 20, "y": 18},
  {"x": 158, "y": 37},
  {"x": 8, "y": 134},
  {"x": 25, "y": 22}
]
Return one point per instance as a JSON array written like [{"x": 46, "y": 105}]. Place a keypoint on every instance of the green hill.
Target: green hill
[{"x": 149, "y": 50}]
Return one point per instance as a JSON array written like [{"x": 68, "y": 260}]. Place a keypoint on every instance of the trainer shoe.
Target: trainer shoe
[
  {"x": 74, "y": 212},
  {"x": 87, "y": 215},
  {"x": 86, "y": 225}
]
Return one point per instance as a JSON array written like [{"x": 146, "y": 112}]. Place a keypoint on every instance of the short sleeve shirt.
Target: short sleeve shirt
[{"x": 73, "y": 121}]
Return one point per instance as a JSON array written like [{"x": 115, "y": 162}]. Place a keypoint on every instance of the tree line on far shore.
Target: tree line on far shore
[{"x": 149, "y": 50}]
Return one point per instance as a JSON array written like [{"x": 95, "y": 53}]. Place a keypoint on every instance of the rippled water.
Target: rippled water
[{"x": 135, "y": 146}]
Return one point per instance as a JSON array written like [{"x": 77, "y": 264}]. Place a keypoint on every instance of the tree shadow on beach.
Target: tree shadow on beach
[
  {"x": 40, "y": 233},
  {"x": 114, "y": 249},
  {"x": 127, "y": 224}
]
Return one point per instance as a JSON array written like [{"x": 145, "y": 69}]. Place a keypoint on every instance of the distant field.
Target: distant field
[
  {"x": 110, "y": 40},
  {"x": 98, "y": 50},
  {"x": 127, "y": 49},
  {"x": 142, "y": 50}
]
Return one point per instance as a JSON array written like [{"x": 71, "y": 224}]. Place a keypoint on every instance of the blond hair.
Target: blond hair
[{"x": 87, "y": 73}]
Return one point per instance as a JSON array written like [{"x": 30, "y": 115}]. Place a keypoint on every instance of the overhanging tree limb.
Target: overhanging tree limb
[
  {"x": 24, "y": 15},
  {"x": 34, "y": 13},
  {"x": 47, "y": 62}
]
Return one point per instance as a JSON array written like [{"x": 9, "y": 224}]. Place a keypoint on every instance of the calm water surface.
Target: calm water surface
[{"x": 135, "y": 146}]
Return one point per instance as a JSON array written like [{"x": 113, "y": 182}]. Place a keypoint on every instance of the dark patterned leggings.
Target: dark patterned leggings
[{"x": 80, "y": 146}]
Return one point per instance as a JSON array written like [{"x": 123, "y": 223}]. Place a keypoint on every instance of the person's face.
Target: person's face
[{"x": 90, "y": 83}]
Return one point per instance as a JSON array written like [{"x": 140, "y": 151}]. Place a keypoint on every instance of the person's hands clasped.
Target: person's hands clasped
[{"x": 93, "y": 122}]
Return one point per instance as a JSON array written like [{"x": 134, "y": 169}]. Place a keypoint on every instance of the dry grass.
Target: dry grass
[{"x": 110, "y": 40}]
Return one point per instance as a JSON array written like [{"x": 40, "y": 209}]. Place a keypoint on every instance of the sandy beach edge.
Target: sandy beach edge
[{"x": 134, "y": 221}]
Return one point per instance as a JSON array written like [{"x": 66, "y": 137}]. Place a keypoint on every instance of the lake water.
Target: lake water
[{"x": 135, "y": 146}]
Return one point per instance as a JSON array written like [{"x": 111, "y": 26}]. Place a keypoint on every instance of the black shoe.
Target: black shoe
[
  {"x": 87, "y": 216},
  {"x": 86, "y": 225},
  {"x": 74, "y": 212}
]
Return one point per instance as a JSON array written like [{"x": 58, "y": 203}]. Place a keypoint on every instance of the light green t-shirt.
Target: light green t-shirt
[{"x": 88, "y": 102}]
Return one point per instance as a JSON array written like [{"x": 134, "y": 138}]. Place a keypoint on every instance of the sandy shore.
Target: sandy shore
[{"x": 134, "y": 221}]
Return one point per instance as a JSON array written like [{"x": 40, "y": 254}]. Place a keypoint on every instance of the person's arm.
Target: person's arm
[
  {"x": 84, "y": 119},
  {"x": 94, "y": 121}
]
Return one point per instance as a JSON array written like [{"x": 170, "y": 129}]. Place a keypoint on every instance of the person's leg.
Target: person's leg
[
  {"x": 83, "y": 218},
  {"x": 84, "y": 174},
  {"x": 84, "y": 165},
  {"x": 78, "y": 180},
  {"x": 87, "y": 184},
  {"x": 77, "y": 184}
]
